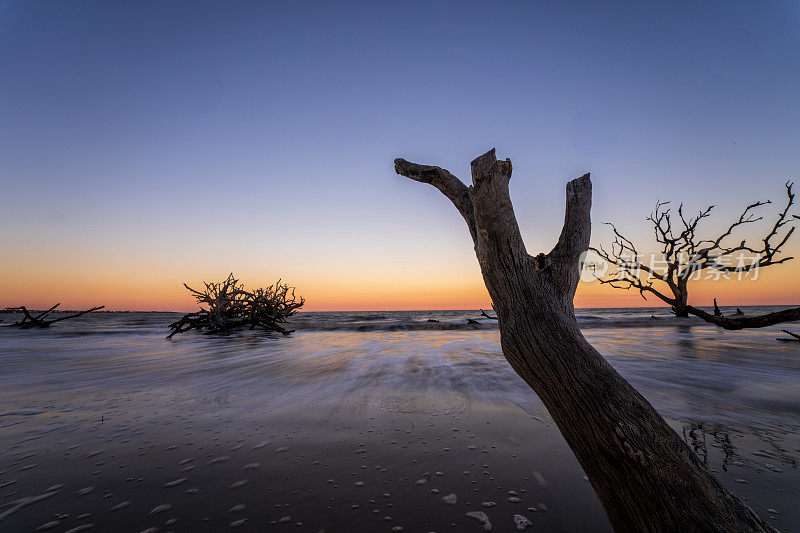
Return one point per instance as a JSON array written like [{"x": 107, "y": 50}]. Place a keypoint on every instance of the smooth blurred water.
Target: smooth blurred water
[{"x": 689, "y": 370}]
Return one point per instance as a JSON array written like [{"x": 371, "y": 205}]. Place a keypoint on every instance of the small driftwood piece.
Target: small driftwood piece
[
  {"x": 795, "y": 336},
  {"x": 745, "y": 322},
  {"x": 40, "y": 321},
  {"x": 230, "y": 307}
]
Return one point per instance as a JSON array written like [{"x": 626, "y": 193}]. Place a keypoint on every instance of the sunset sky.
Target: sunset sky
[{"x": 146, "y": 144}]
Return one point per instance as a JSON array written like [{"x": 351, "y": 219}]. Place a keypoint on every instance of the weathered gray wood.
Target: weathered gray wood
[{"x": 647, "y": 478}]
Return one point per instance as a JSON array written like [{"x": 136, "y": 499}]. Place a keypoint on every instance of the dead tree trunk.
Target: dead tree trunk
[
  {"x": 646, "y": 477},
  {"x": 681, "y": 302}
]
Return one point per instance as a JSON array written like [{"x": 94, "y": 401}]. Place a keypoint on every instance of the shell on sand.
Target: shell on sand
[
  {"x": 83, "y": 527},
  {"x": 521, "y": 522},
  {"x": 481, "y": 517},
  {"x": 120, "y": 506},
  {"x": 161, "y": 509}
]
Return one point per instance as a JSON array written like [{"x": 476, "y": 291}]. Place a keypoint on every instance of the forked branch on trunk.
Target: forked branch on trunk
[
  {"x": 40, "y": 321},
  {"x": 229, "y": 307},
  {"x": 645, "y": 475}
]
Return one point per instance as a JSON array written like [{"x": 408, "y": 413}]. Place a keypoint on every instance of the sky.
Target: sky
[{"x": 147, "y": 144}]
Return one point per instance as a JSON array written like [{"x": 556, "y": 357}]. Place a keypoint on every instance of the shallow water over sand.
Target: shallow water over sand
[{"x": 401, "y": 390}]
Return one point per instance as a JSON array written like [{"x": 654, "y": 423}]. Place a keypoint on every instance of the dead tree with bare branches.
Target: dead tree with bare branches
[
  {"x": 683, "y": 256},
  {"x": 229, "y": 307},
  {"x": 647, "y": 478},
  {"x": 30, "y": 321}
]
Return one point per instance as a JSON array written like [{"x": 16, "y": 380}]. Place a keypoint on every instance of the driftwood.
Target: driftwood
[
  {"x": 40, "y": 321},
  {"x": 795, "y": 336},
  {"x": 744, "y": 322},
  {"x": 230, "y": 307},
  {"x": 647, "y": 478},
  {"x": 487, "y": 315},
  {"x": 684, "y": 254}
]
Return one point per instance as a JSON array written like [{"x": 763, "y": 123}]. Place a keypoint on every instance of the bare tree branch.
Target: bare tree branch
[
  {"x": 573, "y": 240},
  {"x": 449, "y": 185}
]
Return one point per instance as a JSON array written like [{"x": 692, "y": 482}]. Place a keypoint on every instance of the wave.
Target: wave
[
  {"x": 366, "y": 318},
  {"x": 585, "y": 322},
  {"x": 109, "y": 324}
]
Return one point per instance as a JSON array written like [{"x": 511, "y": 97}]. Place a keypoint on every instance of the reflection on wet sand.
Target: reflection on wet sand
[{"x": 318, "y": 427}]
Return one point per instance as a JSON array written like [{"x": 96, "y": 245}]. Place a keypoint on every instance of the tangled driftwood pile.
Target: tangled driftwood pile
[{"x": 230, "y": 307}]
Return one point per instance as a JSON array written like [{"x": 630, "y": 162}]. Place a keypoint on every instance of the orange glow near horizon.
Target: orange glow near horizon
[{"x": 40, "y": 289}]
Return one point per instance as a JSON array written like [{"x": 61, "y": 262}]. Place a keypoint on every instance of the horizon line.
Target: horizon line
[{"x": 10, "y": 311}]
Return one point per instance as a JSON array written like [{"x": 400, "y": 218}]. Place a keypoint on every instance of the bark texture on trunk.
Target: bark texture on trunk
[{"x": 646, "y": 477}]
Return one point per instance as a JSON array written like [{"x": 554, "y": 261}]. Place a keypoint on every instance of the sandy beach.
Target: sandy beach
[{"x": 106, "y": 426}]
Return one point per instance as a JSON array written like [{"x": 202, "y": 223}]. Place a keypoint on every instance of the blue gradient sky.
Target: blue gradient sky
[{"x": 146, "y": 144}]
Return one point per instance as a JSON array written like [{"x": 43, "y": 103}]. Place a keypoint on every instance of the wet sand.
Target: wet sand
[
  {"x": 123, "y": 431},
  {"x": 208, "y": 464},
  {"x": 183, "y": 463}
]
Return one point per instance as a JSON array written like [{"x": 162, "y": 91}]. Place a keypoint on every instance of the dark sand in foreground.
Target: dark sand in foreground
[{"x": 214, "y": 463}]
